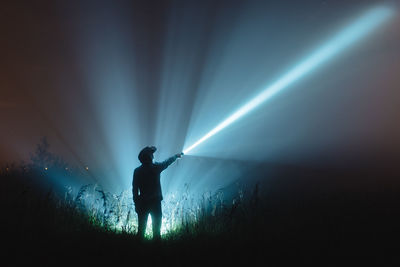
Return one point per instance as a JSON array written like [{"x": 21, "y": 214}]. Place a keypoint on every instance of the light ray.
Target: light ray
[{"x": 354, "y": 32}]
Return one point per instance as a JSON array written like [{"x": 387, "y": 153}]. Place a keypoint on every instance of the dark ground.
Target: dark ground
[{"x": 290, "y": 223}]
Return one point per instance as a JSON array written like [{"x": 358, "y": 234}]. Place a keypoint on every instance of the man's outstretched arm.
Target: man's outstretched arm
[{"x": 163, "y": 165}]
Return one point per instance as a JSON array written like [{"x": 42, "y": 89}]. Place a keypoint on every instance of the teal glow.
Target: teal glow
[{"x": 354, "y": 32}]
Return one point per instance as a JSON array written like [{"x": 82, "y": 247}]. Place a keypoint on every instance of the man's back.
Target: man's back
[{"x": 147, "y": 179}]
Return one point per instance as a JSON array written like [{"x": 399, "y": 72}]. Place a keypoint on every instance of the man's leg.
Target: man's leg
[
  {"x": 156, "y": 218},
  {"x": 142, "y": 219}
]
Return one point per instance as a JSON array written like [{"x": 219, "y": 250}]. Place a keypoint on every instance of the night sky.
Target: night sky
[{"x": 103, "y": 79}]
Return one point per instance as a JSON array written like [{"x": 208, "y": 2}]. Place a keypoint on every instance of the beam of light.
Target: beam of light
[{"x": 354, "y": 32}]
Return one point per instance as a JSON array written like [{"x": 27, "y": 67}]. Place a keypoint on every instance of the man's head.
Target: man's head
[{"x": 146, "y": 154}]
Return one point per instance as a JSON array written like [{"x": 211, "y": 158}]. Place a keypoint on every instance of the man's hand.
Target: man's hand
[{"x": 179, "y": 155}]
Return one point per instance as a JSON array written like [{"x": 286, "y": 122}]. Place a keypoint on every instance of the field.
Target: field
[{"x": 316, "y": 227}]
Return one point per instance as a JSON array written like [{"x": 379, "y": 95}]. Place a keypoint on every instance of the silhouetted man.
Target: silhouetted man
[{"x": 146, "y": 189}]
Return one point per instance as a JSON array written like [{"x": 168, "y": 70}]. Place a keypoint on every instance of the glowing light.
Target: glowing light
[
  {"x": 361, "y": 27},
  {"x": 86, "y": 168},
  {"x": 46, "y": 168}
]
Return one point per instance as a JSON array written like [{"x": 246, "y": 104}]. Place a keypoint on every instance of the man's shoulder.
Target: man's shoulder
[
  {"x": 145, "y": 168},
  {"x": 137, "y": 169}
]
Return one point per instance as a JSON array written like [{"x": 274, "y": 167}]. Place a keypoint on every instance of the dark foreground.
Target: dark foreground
[
  {"x": 284, "y": 251},
  {"x": 320, "y": 226}
]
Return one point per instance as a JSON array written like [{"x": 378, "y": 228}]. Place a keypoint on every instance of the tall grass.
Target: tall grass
[
  {"x": 314, "y": 223},
  {"x": 94, "y": 208},
  {"x": 33, "y": 209}
]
